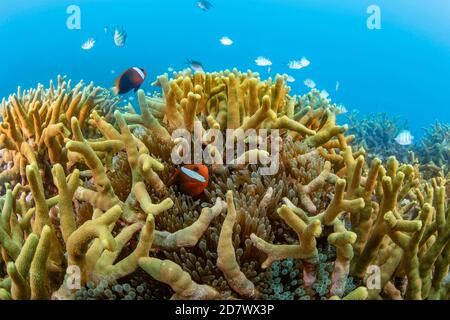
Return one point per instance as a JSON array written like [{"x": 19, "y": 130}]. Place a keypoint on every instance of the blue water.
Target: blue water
[{"x": 402, "y": 69}]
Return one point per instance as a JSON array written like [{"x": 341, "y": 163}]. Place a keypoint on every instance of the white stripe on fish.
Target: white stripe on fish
[
  {"x": 193, "y": 174},
  {"x": 140, "y": 72}
]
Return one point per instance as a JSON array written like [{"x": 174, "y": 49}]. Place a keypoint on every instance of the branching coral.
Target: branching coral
[
  {"x": 169, "y": 272},
  {"x": 35, "y": 123},
  {"x": 226, "y": 257},
  {"x": 86, "y": 205}
]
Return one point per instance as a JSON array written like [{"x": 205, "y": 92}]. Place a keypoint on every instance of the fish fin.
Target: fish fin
[
  {"x": 137, "y": 88},
  {"x": 116, "y": 85}
]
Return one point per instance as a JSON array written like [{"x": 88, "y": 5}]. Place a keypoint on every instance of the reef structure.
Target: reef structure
[
  {"x": 376, "y": 134},
  {"x": 87, "y": 211},
  {"x": 434, "y": 148}
]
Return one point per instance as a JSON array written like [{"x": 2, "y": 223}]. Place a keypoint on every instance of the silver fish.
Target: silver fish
[
  {"x": 404, "y": 138},
  {"x": 263, "y": 62},
  {"x": 310, "y": 84},
  {"x": 290, "y": 79},
  {"x": 324, "y": 94},
  {"x": 226, "y": 41},
  {"x": 120, "y": 37},
  {"x": 341, "y": 109},
  {"x": 299, "y": 64},
  {"x": 89, "y": 44}
]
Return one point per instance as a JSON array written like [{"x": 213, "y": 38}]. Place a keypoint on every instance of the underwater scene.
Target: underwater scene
[{"x": 224, "y": 150}]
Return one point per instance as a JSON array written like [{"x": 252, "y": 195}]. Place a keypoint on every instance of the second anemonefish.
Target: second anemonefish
[
  {"x": 131, "y": 79},
  {"x": 192, "y": 179}
]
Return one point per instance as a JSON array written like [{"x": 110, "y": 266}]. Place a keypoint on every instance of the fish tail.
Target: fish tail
[{"x": 115, "y": 89}]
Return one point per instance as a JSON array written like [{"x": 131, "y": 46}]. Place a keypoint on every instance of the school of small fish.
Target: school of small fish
[{"x": 120, "y": 37}]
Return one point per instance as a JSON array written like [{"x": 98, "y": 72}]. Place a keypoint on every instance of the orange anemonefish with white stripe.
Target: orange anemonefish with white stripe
[
  {"x": 131, "y": 79},
  {"x": 192, "y": 179}
]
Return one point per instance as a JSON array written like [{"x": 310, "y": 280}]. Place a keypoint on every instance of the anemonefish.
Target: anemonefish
[
  {"x": 191, "y": 179},
  {"x": 131, "y": 79}
]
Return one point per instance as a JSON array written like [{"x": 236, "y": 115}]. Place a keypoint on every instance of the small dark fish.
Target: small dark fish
[
  {"x": 192, "y": 179},
  {"x": 195, "y": 65},
  {"x": 204, "y": 5},
  {"x": 131, "y": 79}
]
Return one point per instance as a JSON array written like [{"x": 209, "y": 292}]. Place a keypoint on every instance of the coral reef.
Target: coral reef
[
  {"x": 434, "y": 148},
  {"x": 376, "y": 134},
  {"x": 87, "y": 210}
]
